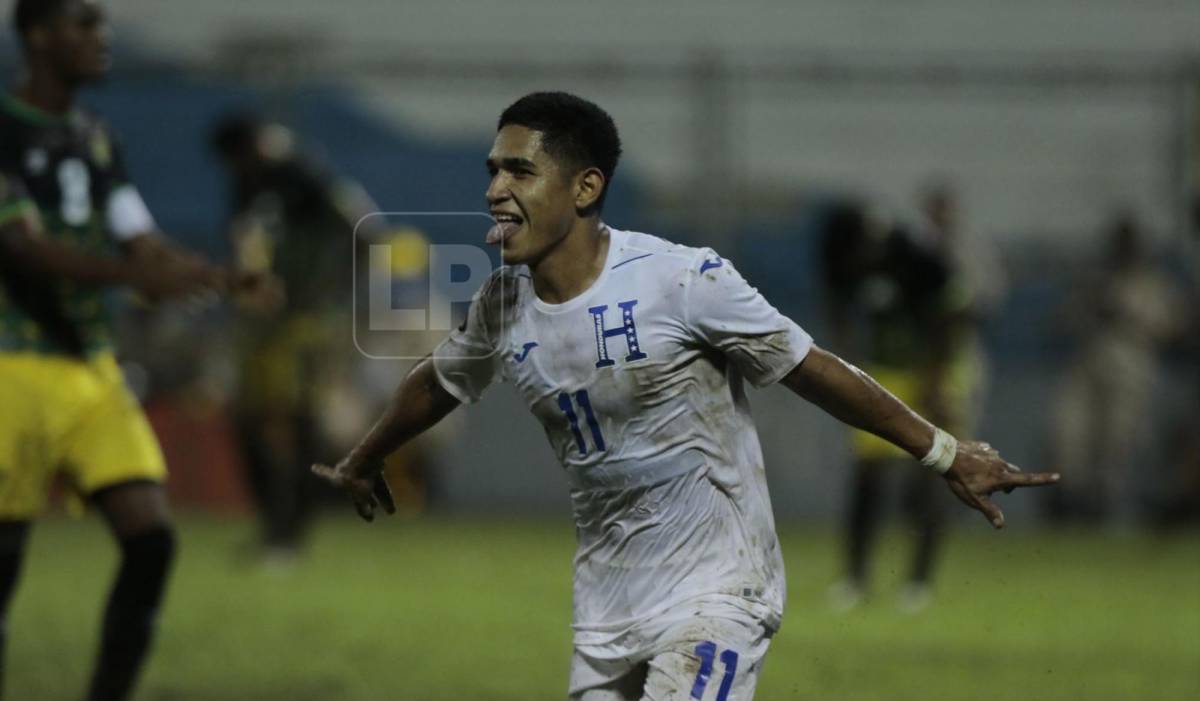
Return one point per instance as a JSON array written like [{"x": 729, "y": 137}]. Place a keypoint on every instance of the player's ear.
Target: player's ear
[{"x": 589, "y": 185}]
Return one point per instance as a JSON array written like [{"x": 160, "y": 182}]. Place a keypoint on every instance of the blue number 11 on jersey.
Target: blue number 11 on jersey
[{"x": 581, "y": 398}]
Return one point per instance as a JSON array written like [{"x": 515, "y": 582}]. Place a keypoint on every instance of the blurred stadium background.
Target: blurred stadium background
[{"x": 743, "y": 123}]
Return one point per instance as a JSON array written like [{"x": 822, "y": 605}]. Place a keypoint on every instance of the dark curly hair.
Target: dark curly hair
[{"x": 575, "y": 132}]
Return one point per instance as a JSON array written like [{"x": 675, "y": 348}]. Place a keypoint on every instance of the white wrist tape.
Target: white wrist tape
[{"x": 941, "y": 456}]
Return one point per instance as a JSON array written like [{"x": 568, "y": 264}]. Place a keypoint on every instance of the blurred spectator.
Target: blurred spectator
[
  {"x": 917, "y": 296},
  {"x": 1123, "y": 315},
  {"x": 1178, "y": 505},
  {"x": 293, "y": 218}
]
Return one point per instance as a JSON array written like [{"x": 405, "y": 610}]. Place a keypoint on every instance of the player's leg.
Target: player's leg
[
  {"x": 13, "y": 535},
  {"x": 138, "y": 517},
  {"x": 275, "y": 437},
  {"x": 305, "y": 484},
  {"x": 254, "y": 462},
  {"x": 863, "y": 518},
  {"x": 314, "y": 341},
  {"x": 713, "y": 659},
  {"x": 113, "y": 457},
  {"x": 926, "y": 499},
  {"x": 860, "y": 528},
  {"x": 278, "y": 434},
  {"x": 873, "y": 458},
  {"x": 926, "y": 506},
  {"x": 31, "y": 420}
]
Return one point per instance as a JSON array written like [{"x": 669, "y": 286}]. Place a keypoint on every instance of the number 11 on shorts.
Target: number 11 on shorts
[{"x": 707, "y": 652}]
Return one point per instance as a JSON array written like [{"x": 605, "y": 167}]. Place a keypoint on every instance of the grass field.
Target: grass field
[{"x": 479, "y": 610}]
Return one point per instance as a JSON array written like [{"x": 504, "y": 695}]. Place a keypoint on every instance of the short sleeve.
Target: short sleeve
[
  {"x": 126, "y": 213},
  {"x": 725, "y": 313},
  {"x": 467, "y": 361}
]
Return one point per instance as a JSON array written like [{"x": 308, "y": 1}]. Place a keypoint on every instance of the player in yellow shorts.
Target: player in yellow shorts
[
  {"x": 295, "y": 218},
  {"x": 70, "y": 416},
  {"x": 71, "y": 226},
  {"x": 906, "y": 296}
]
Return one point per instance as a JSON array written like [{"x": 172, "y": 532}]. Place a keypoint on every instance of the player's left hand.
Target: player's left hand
[
  {"x": 368, "y": 492},
  {"x": 978, "y": 471}
]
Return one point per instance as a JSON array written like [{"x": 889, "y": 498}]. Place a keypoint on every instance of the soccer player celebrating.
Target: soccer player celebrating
[
  {"x": 65, "y": 204},
  {"x": 633, "y": 352}
]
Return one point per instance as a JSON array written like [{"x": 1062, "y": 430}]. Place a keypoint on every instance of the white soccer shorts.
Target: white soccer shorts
[{"x": 700, "y": 659}]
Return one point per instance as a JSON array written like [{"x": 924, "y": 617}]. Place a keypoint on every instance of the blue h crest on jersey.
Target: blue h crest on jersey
[{"x": 628, "y": 329}]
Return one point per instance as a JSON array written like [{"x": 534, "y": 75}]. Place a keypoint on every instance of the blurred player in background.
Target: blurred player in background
[
  {"x": 907, "y": 304},
  {"x": 1124, "y": 314},
  {"x": 633, "y": 353},
  {"x": 72, "y": 225},
  {"x": 295, "y": 219}
]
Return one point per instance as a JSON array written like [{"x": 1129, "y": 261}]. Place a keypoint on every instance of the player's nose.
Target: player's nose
[{"x": 497, "y": 190}]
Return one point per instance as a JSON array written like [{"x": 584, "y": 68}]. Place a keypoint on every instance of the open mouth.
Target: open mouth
[{"x": 507, "y": 224}]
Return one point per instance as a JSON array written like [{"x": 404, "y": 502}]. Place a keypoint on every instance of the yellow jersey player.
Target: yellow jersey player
[
  {"x": 904, "y": 294},
  {"x": 71, "y": 225}
]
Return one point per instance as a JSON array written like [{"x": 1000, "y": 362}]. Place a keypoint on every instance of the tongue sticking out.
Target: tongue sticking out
[{"x": 501, "y": 231}]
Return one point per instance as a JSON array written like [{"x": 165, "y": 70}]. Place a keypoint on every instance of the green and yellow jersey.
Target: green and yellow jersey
[
  {"x": 906, "y": 295},
  {"x": 68, "y": 169},
  {"x": 66, "y": 406}
]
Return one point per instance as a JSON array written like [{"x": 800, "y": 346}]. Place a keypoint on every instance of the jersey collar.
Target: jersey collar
[{"x": 23, "y": 110}]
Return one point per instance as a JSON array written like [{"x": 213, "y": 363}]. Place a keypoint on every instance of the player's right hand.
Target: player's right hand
[{"x": 368, "y": 492}]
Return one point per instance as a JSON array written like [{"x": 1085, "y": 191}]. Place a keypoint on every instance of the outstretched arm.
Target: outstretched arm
[
  {"x": 23, "y": 244},
  {"x": 419, "y": 402},
  {"x": 853, "y": 397}
]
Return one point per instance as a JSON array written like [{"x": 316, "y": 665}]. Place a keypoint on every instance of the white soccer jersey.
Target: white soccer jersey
[{"x": 639, "y": 384}]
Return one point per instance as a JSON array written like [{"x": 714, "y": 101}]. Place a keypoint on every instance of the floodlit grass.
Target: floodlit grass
[{"x": 479, "y": 610}]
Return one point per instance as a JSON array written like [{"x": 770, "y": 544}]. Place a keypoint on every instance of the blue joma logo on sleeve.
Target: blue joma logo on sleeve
[{"x": 710, "y": 264}]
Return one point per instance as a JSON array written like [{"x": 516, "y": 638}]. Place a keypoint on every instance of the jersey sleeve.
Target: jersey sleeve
[
  {"x": 725, "y": 313},
  {"x": 127, "y": 215},
  {"x": 467, "y": 361},
  {"x": 125, "y": 212}
]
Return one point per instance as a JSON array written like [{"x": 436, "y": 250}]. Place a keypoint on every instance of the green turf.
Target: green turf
[{"x": 478, "y": 610}]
